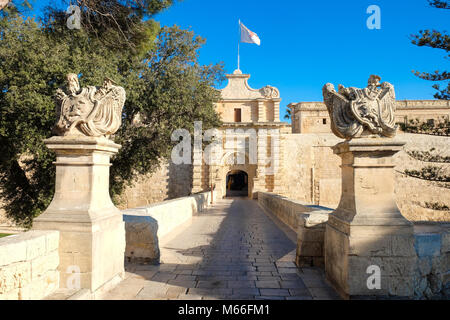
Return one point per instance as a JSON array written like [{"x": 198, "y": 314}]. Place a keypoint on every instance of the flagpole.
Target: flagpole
[{"x": 239, "y": 42}]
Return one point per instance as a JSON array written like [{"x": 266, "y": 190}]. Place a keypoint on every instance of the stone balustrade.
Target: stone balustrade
[
  {"x": 146, "y": 226},
  {"x": 28, "y": 265}
]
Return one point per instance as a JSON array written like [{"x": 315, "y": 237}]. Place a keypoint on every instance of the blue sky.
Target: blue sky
[{"x": 305, "y": 44}]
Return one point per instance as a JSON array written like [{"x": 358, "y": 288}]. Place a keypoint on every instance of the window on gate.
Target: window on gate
[{"x": 237, "y": 115}]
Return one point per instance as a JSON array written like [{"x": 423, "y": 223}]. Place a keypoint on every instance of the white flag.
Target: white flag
[{"x": 248, "y": 36}]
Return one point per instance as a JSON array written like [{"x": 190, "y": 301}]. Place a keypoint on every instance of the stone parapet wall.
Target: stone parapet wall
[
  {"x": 146, "y": 226},
  {"x": 308, "y": 221},
  {"x": 28, "y": 265},
  {"x": 286, "y": 210}
]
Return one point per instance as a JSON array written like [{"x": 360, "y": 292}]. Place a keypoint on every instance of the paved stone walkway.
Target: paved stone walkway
[{"x": 234, "y": 250}]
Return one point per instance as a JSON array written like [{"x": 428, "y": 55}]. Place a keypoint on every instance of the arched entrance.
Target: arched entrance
[{"x": 236, "y": 184}]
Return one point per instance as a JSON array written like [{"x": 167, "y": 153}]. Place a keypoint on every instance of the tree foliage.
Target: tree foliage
[
  {"x": 166, "y": 89},
  {"x": 287, "y": 116},
  {"x": 117, "y": 24},
  {"x": 439, "y": 40}
]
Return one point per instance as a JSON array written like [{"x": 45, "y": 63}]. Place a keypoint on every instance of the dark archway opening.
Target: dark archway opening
[{"x": 237, "y": 184}]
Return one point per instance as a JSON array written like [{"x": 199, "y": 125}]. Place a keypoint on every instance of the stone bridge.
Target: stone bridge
[{"x": 233, "y": 250}]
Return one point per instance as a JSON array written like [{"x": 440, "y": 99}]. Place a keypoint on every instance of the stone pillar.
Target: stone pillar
[
  {"x": 259, "y": 181},
  {"x": 277, "y": 154},
  {"x": 276, "y": 109},
  {"x": 367, "y": 229},
  {"x": 261, "y": 111},
  {"x": 197, "y": 173},
  {"x": 92, "y": 232}
]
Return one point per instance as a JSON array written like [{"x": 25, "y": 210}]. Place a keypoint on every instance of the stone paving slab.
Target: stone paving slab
[{"x": 233, "y": 250}]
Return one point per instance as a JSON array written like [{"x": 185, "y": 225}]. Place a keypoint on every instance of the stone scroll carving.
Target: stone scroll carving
[
  {"x": 91, "y": 111},
  {"x": 364, "y": 112},
  {"x": 270, "y": 92}
]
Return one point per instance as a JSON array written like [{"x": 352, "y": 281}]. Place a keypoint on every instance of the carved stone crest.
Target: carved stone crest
[
  {"x": 91, "y": 111},
  {"x": 270, "y": 92},
  {"x": 364, "y": 112}
]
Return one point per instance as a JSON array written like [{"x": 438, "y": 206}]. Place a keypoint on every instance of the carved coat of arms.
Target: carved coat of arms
[
  {"x": 270, "y": 92},
  {"x": 362, "y": 112},
  {"x": 91, "y": 111}
]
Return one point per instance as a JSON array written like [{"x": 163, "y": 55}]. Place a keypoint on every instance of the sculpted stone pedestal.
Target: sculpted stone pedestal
[
  {"x": 92, "y": 232},
  {"x": 367, "y": 228}
]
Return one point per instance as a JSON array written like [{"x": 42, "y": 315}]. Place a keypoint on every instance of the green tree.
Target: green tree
[
  {"x": 166, "y": 89},
  {"x": 287, "y": 116},
  {"x": 118, "y": 24},
  {"x": 438, "y": 40}
]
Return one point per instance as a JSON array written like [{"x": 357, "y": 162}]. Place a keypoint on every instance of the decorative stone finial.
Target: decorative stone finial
[
  {"x": 364, "y": 112},
  {"x": 91, "y": 111}
]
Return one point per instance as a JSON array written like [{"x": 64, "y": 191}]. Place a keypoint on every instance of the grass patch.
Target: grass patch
[{"x": 4, "y": 235}]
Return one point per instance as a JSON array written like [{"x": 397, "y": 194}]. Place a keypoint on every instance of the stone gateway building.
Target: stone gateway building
[
  {"x": 251, "y": 147},
  {"x": 307, "y": 170}
]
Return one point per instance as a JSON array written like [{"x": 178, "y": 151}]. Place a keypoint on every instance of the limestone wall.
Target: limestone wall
[
  {"x": 433, "y": 265},
  {"x": 312, "y": 174},
  {"x": 168, "y": 182},
  {"x": 28, "y": 265},
  {"x": 412, "y": 193},
  {"x": 145, "y": 226}
]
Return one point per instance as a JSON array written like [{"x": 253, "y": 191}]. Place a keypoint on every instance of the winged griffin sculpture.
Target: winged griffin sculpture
[
  {"x": 91, "y": 111},
  {"x": 364, "y": 112}
]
